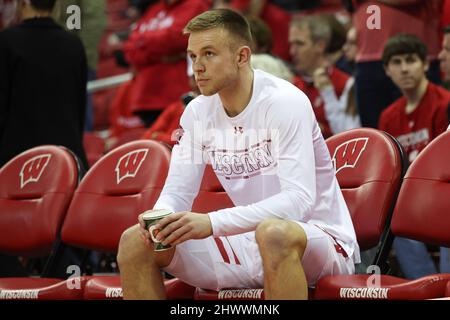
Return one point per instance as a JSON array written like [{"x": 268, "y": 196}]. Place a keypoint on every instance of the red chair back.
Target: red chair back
[
  {"x": 211, "y": 196},
  {"x": 36, "y": 188},
  {"x": 423, "y": 207},
  {"x": 369, "y": 166},
  {"x": 121, "y": 185}
]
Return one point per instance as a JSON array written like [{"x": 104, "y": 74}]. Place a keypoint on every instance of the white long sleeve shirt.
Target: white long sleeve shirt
[
  {"x": 335, "y": 109},
  {"x": 271, "y": 159}
]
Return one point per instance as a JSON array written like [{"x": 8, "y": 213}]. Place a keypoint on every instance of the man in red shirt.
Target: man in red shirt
[
  {"x": 415, "y": 119},
  {"x": 308, "y": 39},
  {"x": 420, "y": 114},
  {"x": 375, "y": 22}
]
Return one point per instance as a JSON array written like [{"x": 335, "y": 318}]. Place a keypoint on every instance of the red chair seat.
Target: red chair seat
[
  {"x": 229, "y": 294},
  {"x": 391, "y": 288},
  {"x": 110, "y": 288},
  {"x": 41, "y": 289},
  {"x": 421, "y": 213},
  {"x": 235, "y": 294},
  {"x": 447, "y": 289}
]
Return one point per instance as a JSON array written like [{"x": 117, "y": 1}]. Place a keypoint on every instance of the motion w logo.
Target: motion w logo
[
  {"x": 129, "y": 164},
  {"x": 348, "y": 153},
  {"x": 32, "y": 169}
]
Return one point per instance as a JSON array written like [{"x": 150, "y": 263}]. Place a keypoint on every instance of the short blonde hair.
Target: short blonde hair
[{"x": 231, "y": 21}]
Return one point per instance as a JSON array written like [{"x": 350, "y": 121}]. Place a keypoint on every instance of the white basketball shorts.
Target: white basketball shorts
[{"x": 235, "y": 261}]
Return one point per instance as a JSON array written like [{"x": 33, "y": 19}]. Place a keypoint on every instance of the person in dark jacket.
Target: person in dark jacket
[{"x": 42, "y": 84}]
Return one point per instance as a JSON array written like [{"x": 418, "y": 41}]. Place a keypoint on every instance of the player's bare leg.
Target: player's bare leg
[
  {"x": 281, "y": 244},
  {"x": 140, "y": 267}
]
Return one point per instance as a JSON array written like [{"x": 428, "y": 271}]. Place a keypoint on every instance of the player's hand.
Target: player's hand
[
  {"x": 181, "y": 226},
  {"x": 144, "y": 232}
]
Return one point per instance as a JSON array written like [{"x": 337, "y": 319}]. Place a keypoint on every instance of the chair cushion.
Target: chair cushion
[
  {"x": 390, "y": 288},
  {"x": 229, "y": 294},
  {"x": 110, "y": 287},
  {"x": 42, "y": 289}
]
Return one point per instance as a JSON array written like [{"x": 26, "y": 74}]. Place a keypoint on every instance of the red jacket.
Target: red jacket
[
  {"x": 121, "y": 117},
  {"x": 415, "y": 130},
  {"x": 166, "y": 124},
  {"x": 156, "y": 48},
  {"x": 338, "y": 79}
]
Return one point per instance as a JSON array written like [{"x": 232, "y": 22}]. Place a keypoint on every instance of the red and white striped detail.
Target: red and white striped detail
[{"x": 227, "y": 251}]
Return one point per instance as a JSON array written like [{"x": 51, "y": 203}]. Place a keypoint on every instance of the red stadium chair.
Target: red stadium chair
[
  {"x": 120, "y": 186},
  {"x": 36, "y": 188},
  {"x": 211, "y": 195},
  {"x": 421, "y": 213},
  {"x": 369, "y": 166},
  {"x": 128, "y": 136},
  {"x": 447, "y": 290}
]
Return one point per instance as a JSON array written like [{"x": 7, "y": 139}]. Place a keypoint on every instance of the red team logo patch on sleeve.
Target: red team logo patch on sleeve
[
  {"x": 129, "y": 164},
  {"x": 32, "y": 169},
  {"x": 348, "y": 153}
]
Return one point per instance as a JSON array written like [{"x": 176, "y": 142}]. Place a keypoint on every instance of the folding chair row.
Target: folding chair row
[
  {"x": 421, "y": 213},
  {"x": 370, "y": 168},
  {"x": 39, "y": 186}
]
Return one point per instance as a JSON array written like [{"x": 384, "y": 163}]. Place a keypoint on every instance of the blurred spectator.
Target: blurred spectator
[
  {"x": 262, "y": 57},
  {"x": 415, "y": 119},
  {"x": 121, "y": 117},
  {"x": 374, "y": 90},
  {"x": 261, "y": 35},
  {"x": 167, "y": 127},
  {"x": 262, "y": 49},
  {"x": 276, "y": 18},
  {"x": 8, "y": 13},
  {"x": 273, "y": 65},
  {"x": 335, "y": 53},
  {"x": 444, "y": 55},
  {"x": 420, "y": 114},
  {"x": 350, "y": 49},
  {"x": 93, "y": 22},
  {"x": 156, "y": 49},
  {"x": 309, "y": 37},
  {"x": 42, "y": 84},
  {"x": 139, "y": 6},
  {"x": 341, "y": 112},
  {"x": 445, "y": 13}
]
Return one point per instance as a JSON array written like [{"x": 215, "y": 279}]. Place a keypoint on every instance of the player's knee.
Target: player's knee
[
  {"x": 280, "y": 237},
  {"x": 130, "y": 245}
]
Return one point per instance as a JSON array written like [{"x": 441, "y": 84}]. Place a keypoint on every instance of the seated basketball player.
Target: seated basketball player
[{"x": 290, "y": 224}]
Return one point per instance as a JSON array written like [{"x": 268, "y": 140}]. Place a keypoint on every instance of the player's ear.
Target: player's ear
[{"x": 243, "y": 56}]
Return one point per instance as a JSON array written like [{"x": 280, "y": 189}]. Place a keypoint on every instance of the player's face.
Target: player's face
[
  {"x": 444, "y": 56},
  {"x": 214, "y": 60},
  {"x": 406, "y": 70},
  {"x": 305, "y": 54}
]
